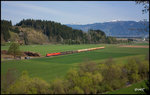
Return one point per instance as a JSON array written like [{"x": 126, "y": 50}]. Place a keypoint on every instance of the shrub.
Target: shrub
[
  {"x": 14, "y": 50},
  {"x": 27, "y": 85},
  {"x": 88, "y": 82},
  {"x": 113, "y": 77},
  {"x": 97, "y": 79},
  {"x": 132, "y": 70},
  {"x": 58, "y": 86},
  {"x": 76, "y": 90},
  {"x": 41, "y": 86},
  {"x": 88, "y": 67},
  {"x": 143, "y": 69},
  {"x": 8, "y": 79},
  {"x": 21, "y": 85},
  {"x": 14, "y": 37},
  {"x": 72, "y": 77}
]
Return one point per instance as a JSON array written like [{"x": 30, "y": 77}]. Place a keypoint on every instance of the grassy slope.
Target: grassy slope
[
  {"x": 130, "y": 89},
  {"x": 50, "y": 68}
]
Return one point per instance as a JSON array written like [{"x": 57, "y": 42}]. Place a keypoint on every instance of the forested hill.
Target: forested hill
[
  {"x": 31, "y": 31},
  {"x": 53, "y": 30}
]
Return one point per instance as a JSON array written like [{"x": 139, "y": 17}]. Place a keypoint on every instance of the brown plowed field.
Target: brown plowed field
[{"x": 134, "y": 46}]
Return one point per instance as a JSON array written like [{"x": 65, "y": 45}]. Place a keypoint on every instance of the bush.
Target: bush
[
  {"x": 8, "y": 79},
  {"x": 41, "y": 86},
  {"x": 113, "y": 75},
  {"x": 85, "y": 83},
  {"x": 13, "y": 36},
  {"x": 72, "y": 77},
  {"x": 86, "y": 79},
  {"x": 76, "y": 90},
  {"x": 132, "y": 70},
  {"x": 88, "y": 67},
  {"x": 143, "y": 69},
  {"x": 58, "y": 87},
  {"x": 97, "y": 80},
  {"x": 27, "y": 85},
  {"x": 14, "y": 50}
]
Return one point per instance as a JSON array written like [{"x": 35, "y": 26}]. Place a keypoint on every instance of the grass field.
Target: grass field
[
  {"x": 44, "y": 49},
  {"x": 130, "y": 89},
  {"x": 52, "y": 67}
]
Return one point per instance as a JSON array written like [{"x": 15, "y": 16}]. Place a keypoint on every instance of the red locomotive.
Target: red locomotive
[{"x": 53, "y": 54}]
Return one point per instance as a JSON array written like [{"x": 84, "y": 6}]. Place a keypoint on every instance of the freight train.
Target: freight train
[{"x": 70, "y": 52}]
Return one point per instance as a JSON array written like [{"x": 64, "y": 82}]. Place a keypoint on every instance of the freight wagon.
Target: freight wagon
[{"x": 66, "y": 52}]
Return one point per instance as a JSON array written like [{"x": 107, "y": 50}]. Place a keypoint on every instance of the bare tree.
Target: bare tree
[{"x": 145, "y": 4}]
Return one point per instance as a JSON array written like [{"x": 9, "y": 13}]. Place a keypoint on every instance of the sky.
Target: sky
[{"x": 72, "y": 12}]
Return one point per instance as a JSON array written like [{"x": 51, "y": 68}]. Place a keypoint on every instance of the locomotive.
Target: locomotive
[{"x": 52, "y": 54}]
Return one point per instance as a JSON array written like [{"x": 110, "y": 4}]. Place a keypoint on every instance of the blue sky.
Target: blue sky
[{"x": 72, "y": 12}]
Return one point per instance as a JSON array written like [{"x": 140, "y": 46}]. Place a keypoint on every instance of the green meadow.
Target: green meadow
[
  {"x": 44, "y": 49},
  {"x": 49, "y": 68}
]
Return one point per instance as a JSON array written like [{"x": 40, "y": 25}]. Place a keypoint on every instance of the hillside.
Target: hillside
[
  {"x": 31, "y": 31},
  {"x": 23, "y": 35},
  {"x": 117, "y": 28}
]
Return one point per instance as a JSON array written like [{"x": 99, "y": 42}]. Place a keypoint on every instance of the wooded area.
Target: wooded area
[{"x": 54, "y": 32}]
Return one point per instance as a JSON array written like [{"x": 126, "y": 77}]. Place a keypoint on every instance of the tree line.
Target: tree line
[
  {"x": 58, "y": 33},
  {"x": 5, "y": 27},
  {"x": 90, "y": 78}
]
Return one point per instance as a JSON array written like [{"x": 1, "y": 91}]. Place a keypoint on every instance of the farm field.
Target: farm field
[
  {"x": 141, "y": 44},
  {"x": 49, "y": 68},
  {"x": 130, "y": 89},
  {"x": 43, "y": 49}
]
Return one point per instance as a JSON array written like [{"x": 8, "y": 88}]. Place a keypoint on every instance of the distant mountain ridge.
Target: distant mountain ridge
[{"x": 117, "y": 28}]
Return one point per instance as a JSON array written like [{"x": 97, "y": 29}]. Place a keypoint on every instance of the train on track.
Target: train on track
[{"x": 70, "y": 52}]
